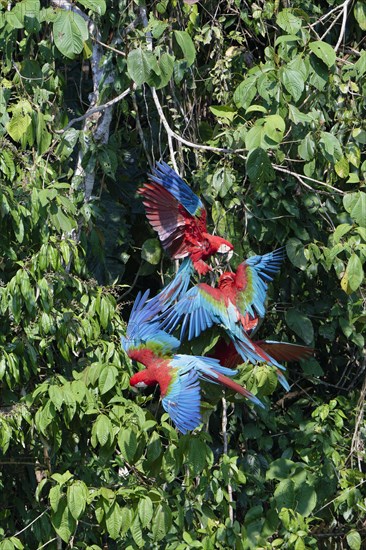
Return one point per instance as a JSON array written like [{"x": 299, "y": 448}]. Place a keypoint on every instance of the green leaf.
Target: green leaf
[
  {"x": 18, "y": 125},
  {"x": 107, "y": 379},
  {"x": 162, "y": 522},
  {"x": 151, "y": 251},
  {"x": 70, "y": 32},
  {"x": 306, "y": 148},
  {"x": 331, "y": 147},
  {"x": 293, "y": 81},
  {"x": 285, "y": 494},
  {"x": 62, "y": 521},
  {"x": 222, "y": 181},
  {"x": 145, "y": 511},
  {"x": 297, "y": 116},
  {"x": 166, "y": 64},
  {"x": 342, "y": 167},
  {"x": 127, "y": 442},
  {"x": 136, "y": 531},
  {"x": 360, "y": 15},
  {"x": 306, "y": 499},
  {"x": 113, "y": 520},
  {"x": 340, "y": 231},
  {"x": 280, "y": 469},
  {"x": 295, "y": 252},
  {"x": 288, "y": 21},
  {"x": 324, "y": 52},
  {"x": 273, "y": 129},
  {"x": 196, "y": 455},
  {"x": 103, "y": 429},
  {"x": 355, "y": 204},
  {"x": 354, "y": 540},
  {"x": 354, "y": 272},
  {"x": 96, "y": 6},
  {"x": 77, "y": 495},
  {"x": 300, "y": 324},
  {"x": 259, "y": 168},
  {"x": 186, "y": 44},
  {"x": 224, "y": 112},
  {"x": 245, "y": 92}
]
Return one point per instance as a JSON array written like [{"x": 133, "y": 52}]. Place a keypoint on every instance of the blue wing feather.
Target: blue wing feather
[
  {"x": 144, "y": 325},
  {"x": 172, "y": 182},
  {"x": 182, "y": 402},
  {"x": 261, "y": 270}
]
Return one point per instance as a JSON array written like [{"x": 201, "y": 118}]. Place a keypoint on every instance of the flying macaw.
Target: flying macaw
[
  {"x": 177, "y": 375},
  {"x": 226, "y": 353},
  {"x": 179, "y": 218},
  {"x": 234, "y": 304}
]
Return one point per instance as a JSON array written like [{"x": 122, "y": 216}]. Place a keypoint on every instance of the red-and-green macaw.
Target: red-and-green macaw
[
  {"x": 177, "y": 375},
  {"x": 237, "y": 298},
  {"x": 179, "y": 218}
]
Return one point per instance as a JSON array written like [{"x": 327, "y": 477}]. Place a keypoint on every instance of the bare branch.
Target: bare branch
[
  {"x": 286, "y": 171},
  {"x": 343, "y": 27},
  {"x": 31, "y": 523},
  {"x": 98, "y": 109}
]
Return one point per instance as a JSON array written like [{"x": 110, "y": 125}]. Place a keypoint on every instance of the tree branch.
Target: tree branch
[
  {"x": 343, "y": 27},
  {"x": 98, "y": 109}
]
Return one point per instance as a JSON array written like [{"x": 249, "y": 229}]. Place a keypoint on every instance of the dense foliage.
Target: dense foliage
[{"x": 262, "y": 108}]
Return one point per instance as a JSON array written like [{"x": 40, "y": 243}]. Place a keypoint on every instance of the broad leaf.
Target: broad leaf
[
  {"x": 70, "y": 32},
  {"x": 323, "y": 51},
  {"x": 186, "y": 45},
  {"x": 300, "y": 324},
  {"x": 259, "y": 168}
]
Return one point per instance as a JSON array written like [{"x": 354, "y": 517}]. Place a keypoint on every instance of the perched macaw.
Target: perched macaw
[
  {"x": 238, "y": 298},
  {"x": 177, "y": 375},
  {"x": 179, "y": 218}
]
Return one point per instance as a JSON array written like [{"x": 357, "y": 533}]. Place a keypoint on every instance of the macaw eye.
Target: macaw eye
[{"x": 223, "y": 249}]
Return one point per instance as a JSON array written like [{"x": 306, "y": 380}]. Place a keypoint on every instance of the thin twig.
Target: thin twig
[
  {"x": 167, "y": 128},
  {"x": 46, "y": 543},
  {"x": 31, "y": 523},
  {"x": 286, "y": 171},
  {"x": 118, "y": 52},
  {"x": 224, "y": 436},
  {"x": 97, "y": 109},
  {"x": 326, "y": 15},
  {"x": 140, "y": 131}
]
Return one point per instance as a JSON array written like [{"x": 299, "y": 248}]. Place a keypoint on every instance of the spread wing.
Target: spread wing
[
  {"x": 172, "y": 182},
  {"x": 144, "y": 327},
  {"x": 286, "y": 351},
  {"x": 199, "y": 309},
  {"x": 183, "y": 400},
  {"x": 173, "y": 210},
  {"x": 252, "y": 277}
]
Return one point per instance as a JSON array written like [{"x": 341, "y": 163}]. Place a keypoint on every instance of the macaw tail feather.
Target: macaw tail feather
[
  {"x": 282, "y": 380},
  {"x": 231, "y": 384}
]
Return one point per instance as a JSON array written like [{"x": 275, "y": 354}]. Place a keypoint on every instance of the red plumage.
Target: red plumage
[
  {"x": 158, "y": 370},
  {"x": 181, "y": 233},
  {"x": 280, "y": 351}
]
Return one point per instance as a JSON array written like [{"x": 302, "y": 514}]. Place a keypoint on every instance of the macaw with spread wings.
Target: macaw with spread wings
[
  {"x": 179, "y": 218},
  {"x": 177, "y": 375},
  {"x": 236, "y": 303}
]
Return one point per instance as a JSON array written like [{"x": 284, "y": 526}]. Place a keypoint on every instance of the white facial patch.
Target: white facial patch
[
  {"x": 140, "y": 385},
  {"x": 223, "y": 249}
]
